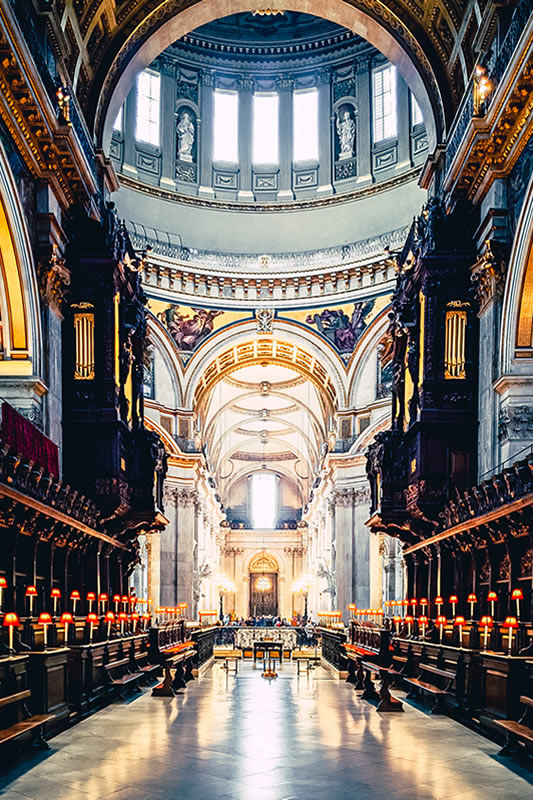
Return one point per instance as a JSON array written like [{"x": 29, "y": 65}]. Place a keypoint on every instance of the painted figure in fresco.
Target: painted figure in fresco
[
  {"x": 341, "y": 330},
  {"x": 188, "y": 331}
]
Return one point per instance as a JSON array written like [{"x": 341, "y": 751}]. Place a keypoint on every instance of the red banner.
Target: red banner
[{"x": 28, "y": 441}]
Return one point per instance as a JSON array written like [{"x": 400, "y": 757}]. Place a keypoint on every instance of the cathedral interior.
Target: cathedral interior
[{"x": 266, "y": 399}]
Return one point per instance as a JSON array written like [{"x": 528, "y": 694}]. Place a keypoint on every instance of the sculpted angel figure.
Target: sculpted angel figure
[
  {"x": 345, "y": 132},
  {"x": 186, "y": 130}
]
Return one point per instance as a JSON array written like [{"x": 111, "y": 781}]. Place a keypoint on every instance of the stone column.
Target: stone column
[
  {"x": 205, "y": 135},
  {"x": 363, "y": 122},
  {"x": 245, "y": 192},
  {"x": 168, "y": 125},
  {"x": 285, "y": 86},
  {"x": 325, "y": 186},
  {"x": 353, "y": 546},
  {"x": 129, "y": 121},
  {"x": 166, "y": 567},
  {"x": 403, "y": 121}
]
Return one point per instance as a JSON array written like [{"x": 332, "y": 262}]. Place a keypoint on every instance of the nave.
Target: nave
[{"x": 245, "y": 738}]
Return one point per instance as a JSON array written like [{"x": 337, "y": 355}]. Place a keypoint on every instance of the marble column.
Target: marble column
[
  {"x": 245, "y": 193},
  {"x": 129, "y": 126},
  {"x": 325, "y": 185},
  {"x": 177, "y": 546},
  {"x": 403, "y": 122},
  {"x": 353, "y": 548},
  {"x": 285, "y": 87},
  {"x": 205, "y": 134},
  {"x": 363, "y": 121},
  {"x": 168, "y": 125}
]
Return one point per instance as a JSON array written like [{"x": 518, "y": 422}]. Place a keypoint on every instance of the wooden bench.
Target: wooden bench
[
  {"x": 22, "y": 721},
  {"x": 142, "y": 664},
  {"x": 517, "y": 732},
  {"x": 231, "y": 657},
  {"x": 386, "y": 701},
  {"x": 121, "y": 678},
  {"x": 179, "y": 659},
  {"x": 301, "y": 657},
  {"x": 434, "y": 681}
]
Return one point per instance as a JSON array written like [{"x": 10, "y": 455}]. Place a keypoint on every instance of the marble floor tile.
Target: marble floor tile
[{"x": 242, "y": 738}]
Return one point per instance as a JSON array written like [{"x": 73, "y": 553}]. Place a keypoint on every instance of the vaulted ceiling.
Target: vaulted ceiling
[{"x": 108, "y": 41}]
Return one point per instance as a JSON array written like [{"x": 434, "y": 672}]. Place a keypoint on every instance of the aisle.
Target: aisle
[{"x": 307, "y": 738}]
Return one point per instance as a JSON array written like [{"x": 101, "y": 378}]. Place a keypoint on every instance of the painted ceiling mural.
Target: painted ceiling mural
[{"x": 340, "y": 325}]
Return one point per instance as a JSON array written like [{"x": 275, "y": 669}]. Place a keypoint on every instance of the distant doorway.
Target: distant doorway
[{"x": 263, "y": 594}]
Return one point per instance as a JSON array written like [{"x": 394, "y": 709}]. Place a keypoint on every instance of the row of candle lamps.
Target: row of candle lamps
[{"x": 401, "y": 607}]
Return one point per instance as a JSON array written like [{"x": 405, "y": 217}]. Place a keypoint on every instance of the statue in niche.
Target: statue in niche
[
  {"x": 186, "y": 130},
  {"x": 345, "y": 132}
]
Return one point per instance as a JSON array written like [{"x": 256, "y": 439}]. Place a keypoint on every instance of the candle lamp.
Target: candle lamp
[
  {"x": 55, "y": 594},
  {"x": 45, "y": 620},
  {"x": 145, "y": 619},
  {"x": 66, "y": 620},
  {"x": 123, "y": 617},
  {"x": 486, "y": 623},
  {"x": 441, "y": 622},
  {"x": 109, "y": 618},
  {"x": 102, "y": 599},
  {"x": 413, "y": 603},
  {"x": 31, "y": 592},
  {"x": 91, "y": 598},
  {"x": 74, "y": 596},
  {"x": 11, "y": 621},
  {"x": 409, "y": 620},
  {"x": 453, "y": 600},
  {"x": 472, "y": 599},
  {"x": 380, "y": 616},
  {"x": 3, "y": 585},
  {"x": 423, "y": 620},
  {"x": 135, "y": 619},
  {"x": 405, "y": 604},
  {"x": 116, "y": 600},
  {"x": 511, "y": 624},
  {"x": 91, "y": 620},
  {"x": 460, "y": 622},
  {"x": 492, "y": 597},
  {"x": 424, "y": 603},
  {"x": 397, "y": 621},
  {"x": 439, "y": 602},
  {"x": 124, "y": 600},
  {"x": 517, "y": 595}
]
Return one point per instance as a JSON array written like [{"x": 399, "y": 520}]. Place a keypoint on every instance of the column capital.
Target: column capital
[
  {"x": 363, "y": 64},
  {"x": 284, "y": 82},
  {"x": 207, "y": 77},
  {"x": 323, "y": 76},
  {"x": 246, "y": 83}
]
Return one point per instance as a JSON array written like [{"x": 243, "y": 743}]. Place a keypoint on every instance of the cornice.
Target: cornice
[{"x": 253, "y": 208}]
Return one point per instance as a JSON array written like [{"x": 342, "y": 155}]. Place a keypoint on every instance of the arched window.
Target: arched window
[{"x": 264, "y": 500}]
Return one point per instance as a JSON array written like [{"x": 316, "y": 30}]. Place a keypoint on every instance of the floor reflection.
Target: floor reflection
[{"x": 244, "y": 738}]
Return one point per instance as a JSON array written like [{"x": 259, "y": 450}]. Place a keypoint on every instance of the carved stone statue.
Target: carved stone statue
[
  {"x": 346, "y": 133},
  {"x": 186, "y": 130},
  {"x": 324, "y": 571}
]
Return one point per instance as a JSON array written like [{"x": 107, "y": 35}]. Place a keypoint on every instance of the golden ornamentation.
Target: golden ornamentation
[{"x": 267, "y": 12}]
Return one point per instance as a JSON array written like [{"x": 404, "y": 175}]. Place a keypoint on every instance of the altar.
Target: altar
[{"x": 247, "y": 639}]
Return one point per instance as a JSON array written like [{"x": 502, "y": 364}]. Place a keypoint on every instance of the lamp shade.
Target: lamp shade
[
  {"x": 146, "y": 616},
  {"x": 91, "y": 596},
  {"x": 75, "y": 595},
  {"x": 439, "y": 601},
  {"x": 102, "y": 597},
  {"x": 125, "y": 598},
  {"x": 453, "y": 598},
  {"x": 123, "y": 616},
  {"x": 459, "y": 621},
  {"x": 66, "y": 618},
  {"x": 44, "y": 618},
  {"x": 405, "y": 602},
  {"x": 110, "y": 617},
  {"x": 116, "y": 598},
  {"x": 423, "y": 601},
  {"x": 472, "y": 598},
  {"x": 11, "y": 620},
  {"x": 31, "y": 591},
  {"x": 55, "y": 593},
  {"x": 3, "y": 583},
  {"x": 92, "y": 618},
  {"x": 492, "y": 596},
  {"x": 510, "y": 622},
  {"x": 441, "y": 620},
  {"x": 413, "y": 602},
  {"x": 408, "y": 619},
  {"x": 517, "y": 594},
  {"x": 423, "y": 620},
  {"x": 397, "y": 619},
  {"x": 486, "y": 622},
  {"x": 135, "y": 615}
]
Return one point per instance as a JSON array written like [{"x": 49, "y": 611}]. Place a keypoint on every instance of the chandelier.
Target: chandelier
[{"x": 263, "y": 584}]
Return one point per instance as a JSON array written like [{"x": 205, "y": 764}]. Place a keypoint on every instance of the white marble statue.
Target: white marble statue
[
  {"x": 346, "y": 133},
  {"x": 186, "y": 131}
]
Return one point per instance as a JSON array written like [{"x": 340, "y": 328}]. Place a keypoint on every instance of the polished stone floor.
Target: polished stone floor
[{"x": 243, "y": 738}]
